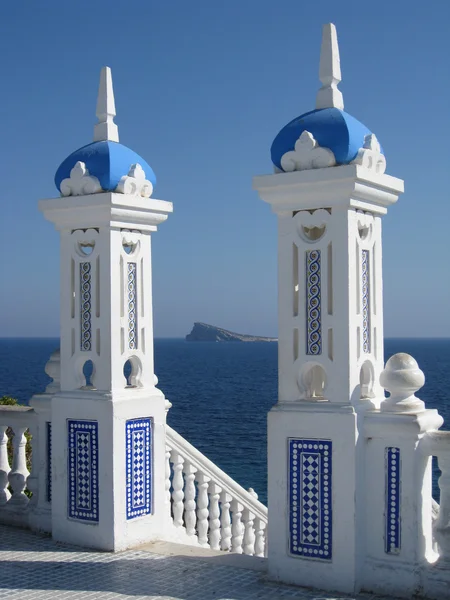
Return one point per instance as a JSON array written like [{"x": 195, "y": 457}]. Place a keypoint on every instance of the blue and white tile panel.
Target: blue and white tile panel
[
  {"x": 83, "y": 470},
  {"x": 49, "y": 461},
  {"x": 313, "y": 303},
  {"x": 393, "y": 499},
  {"x": 132, "y": 306},
  {"x": 365, "y": 286},
  {"x": 85, "y": 306},
  {"x": 310, "y": 501},
  {"x": 139, "y": 467}
]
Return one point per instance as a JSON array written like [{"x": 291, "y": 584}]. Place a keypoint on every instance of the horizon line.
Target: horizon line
[{"x": 397, "y": 337}]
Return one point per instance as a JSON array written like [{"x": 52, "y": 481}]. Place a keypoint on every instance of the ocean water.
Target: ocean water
[{"x": 221, "y": 392}]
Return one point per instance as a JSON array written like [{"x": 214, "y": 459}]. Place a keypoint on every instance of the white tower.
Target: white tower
[
  {"x": 108, "y": 440},
  {"x": 329, "y": 192}
]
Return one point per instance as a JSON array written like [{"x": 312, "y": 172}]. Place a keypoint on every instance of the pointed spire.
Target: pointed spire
[
  {"x": 106, "y": 129},
  {"x": 330, "y": 70}
]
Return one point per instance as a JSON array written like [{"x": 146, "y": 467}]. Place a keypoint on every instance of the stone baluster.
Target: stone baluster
[
  {"x": 442, "y": 526},
  {"x": 177, "y": 487},
  {"x": 259, "y": 537},
  {"x": 202, "y": 509},
  {"x": 214, "y": 516},
  {"x": 249, "y": 532},
  {"x": 32, "y": 483},
  {"x": 167, "y": 484},
  {"x": 236, "y": 527},
  {"x": 225, "y": 522},
  {"x": 190, "y": 517},
  {"x": 4, "y": 466},
  {"x": 19, "y": 473}
]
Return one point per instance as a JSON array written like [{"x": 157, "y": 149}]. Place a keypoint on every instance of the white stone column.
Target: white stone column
[
  {"x": 108, "y": 434},
  {"x": 398, "y": 479},
  {"x": 330, "y": 357},
  {"x": 41, "y": 515}
]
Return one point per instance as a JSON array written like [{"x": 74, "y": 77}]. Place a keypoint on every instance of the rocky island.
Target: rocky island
[{"x": 201, "y": 332}]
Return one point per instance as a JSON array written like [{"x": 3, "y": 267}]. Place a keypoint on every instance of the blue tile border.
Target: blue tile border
[
  {"x": 139, "y": 440},
  {"x": 313, "y": 303},
  {"x": 393, "y": 498},
  {"x": 310, "y": 498},
  {"x": 132, "y": 306},
  {"x": 49, "y": 461},
  {"x": 365, "y": 286},
  {"x": 85, "y": 306},
  {"x": 83, "y": 470}
]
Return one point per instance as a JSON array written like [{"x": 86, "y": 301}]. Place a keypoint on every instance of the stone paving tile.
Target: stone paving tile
[{"x": 34, "y": 567}]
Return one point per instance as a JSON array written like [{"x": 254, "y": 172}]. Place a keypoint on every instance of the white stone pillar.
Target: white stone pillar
[
  {"x": 330, "y": 358},
  {"x": 398, "y": 479},
  {"x": 41, "y": 513},
  {"x": 108, "y": 434}
]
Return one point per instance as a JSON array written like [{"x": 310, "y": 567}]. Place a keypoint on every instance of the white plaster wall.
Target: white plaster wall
[
  {"x": 40, "y": 518},
  {"x": 355, "y": 198},
  {"x": 398, "y": 574},
  {"x": 113, "y": 531},
  {"x": 338, "y": 425}
]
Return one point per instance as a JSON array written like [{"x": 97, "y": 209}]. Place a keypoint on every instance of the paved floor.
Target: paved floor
[{"x": 34, "y": 567}]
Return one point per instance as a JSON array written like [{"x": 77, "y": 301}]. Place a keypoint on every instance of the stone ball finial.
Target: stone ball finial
[
  {"x": 53, "y": 370},
  {"x": 252, "y": 493},
  {"x": 402, "y": 377}
]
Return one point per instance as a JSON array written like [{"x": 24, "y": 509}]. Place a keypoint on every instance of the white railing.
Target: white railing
[
  {"x": 15, "y": 479},
  {"x": 213, "y": 510},
  {"x": 437, "y": 443}
]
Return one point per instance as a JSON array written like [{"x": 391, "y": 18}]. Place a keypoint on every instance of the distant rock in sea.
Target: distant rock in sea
[{"x": 201, "y": 332}]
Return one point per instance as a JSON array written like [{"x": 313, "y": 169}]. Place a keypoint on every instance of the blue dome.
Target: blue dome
[
  {"x": 331, "y": 127},
  {"x": 108, "y": 161}
]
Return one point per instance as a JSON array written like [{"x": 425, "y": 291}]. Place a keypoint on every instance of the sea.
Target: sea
[{"x": 221, "y": 392}]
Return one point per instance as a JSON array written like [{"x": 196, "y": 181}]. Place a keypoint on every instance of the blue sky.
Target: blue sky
[{"x": 201, "y": 89}]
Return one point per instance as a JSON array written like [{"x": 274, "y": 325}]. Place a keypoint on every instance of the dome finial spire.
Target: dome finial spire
[
  {"x": 106, "y": 129},
  {"x": 330, "y": 70}
]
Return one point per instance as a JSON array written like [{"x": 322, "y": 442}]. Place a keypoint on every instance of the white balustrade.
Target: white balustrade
[
  {"x": 437, "y": 443},
  {"x": 212, "y": 508},
  {"x": 18, "y": 475},
  {"x": 5, "y": 495},
  {"x": 202, "y": 508},
  {"x": 236, "y": 527},
  {"x": 167, "y": 483},
  {"x": 178, "y": 486},
  {"x": 190, "y": 517},
  {"x": 260, "y": 526},
  {"x": 214, "y": 516},
  {"x": 225, "y": 522},
  {"x": 15, "y": 478}
]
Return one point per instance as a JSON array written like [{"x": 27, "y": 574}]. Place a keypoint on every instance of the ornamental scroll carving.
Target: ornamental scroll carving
[
  {"x": 80, "y": 183},
  {"x": 370, "y": 156},
  {"x": 307, "y": 155},
  {"x": 135, "y": 183}
]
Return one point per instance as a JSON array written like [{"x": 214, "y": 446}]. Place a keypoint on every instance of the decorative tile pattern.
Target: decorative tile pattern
[
  {"x": 310, "y": 505},
  {"x": 366, "y": 300},
  {"x": 139, "y": 467},
  {"x": 49, "y": 462},
  {"x": 392, "y": 513},
  {"x": 132, "y": 307},
  {"x": 83, "y": 470},
  {"x": 85, "y": 306},
  {"x": 313, "y": 301}
]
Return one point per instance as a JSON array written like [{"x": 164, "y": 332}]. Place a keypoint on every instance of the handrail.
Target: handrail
[
  {"x": 14, "y": 415},
  {"x": 198, "y": 460},
  {"x": 434, "y": 442}
]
